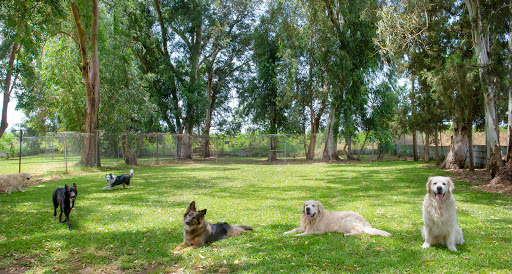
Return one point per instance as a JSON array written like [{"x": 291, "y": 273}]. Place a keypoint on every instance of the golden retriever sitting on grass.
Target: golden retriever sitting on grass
[
  {"x": 316, "y": 220},
  {"x": 8, "y": 182},
  {"x": 440, "y": 215}
]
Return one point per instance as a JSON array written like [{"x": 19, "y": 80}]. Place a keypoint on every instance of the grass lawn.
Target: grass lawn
[{"x": 133, "y": 230}]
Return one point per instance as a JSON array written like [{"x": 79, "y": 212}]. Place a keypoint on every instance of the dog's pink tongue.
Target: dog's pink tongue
[
  {"x": 439, "y": 196},
  {"x": 308, "y": 216}
]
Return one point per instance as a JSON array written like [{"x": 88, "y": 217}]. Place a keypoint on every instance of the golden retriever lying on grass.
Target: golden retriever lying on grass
[
  {"x": 316, "y": 220},
  {"x": 8, "y": 182},
  {"x": 440, "y": 215}
]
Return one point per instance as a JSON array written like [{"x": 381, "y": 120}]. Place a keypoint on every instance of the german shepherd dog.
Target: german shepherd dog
[
  {"x": 198, "y": 232},
  {"x": 113, "y": 180},
  {"x": 65, "y": 198}
]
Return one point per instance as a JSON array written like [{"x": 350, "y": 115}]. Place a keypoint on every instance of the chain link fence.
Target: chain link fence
[{"x": 57, "y": 153}]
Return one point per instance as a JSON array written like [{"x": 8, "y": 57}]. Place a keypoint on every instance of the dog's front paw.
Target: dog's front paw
[
  {"x": 425, "y": 245},
  {"x": 452, "y": 248}
]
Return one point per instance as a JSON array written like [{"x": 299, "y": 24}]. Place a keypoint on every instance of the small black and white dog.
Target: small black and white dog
[
  {"x": 65, "y": 198},
  {"x": 113, "y": 180}
]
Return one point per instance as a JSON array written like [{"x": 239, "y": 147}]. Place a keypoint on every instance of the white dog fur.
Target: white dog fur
[
  {"x": 316, "y": 220},
  {"x": 8, "y": 182},
  {"x": 440, "y": 215}
]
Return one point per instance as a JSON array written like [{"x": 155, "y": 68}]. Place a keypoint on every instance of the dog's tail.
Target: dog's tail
[
  {"x": 131, "y": 173},
  {"x": 237, "y": 230},
  {"x": 374, "y": 231}
]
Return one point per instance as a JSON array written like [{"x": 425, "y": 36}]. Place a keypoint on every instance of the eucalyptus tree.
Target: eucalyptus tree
[
  {"x": 226, "y": 57},
  {"x": 509, "y": 135},
  {"x": 480, "y": 13},
  {"x": 260, "y": 98},
  {"x": 305, "y": 58},
  {"x": 126, "y": 108},
  {"x": 188, "y": 50},
  {"x": 23, "y": 26},
  {"x": 416, "y": 34},
  {"x": 458, "y": 85},
  {"x": 86, "y": 20},
  {"x": 353, "y": 29},
  {"x": 51, "y": 93}
]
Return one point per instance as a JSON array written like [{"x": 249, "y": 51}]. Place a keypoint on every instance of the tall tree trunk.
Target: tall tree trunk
[
  {"x": 470, "y": 146},
  {"x": 364, "y": 143},
  {"x": 348, "y": 151},
  {"x": 7, "y": 88},
  {"x": 427, "y": 146},
  {"x": 90, "y": 75},
  {"x": 129, "y": 149},
  {"x": 414, "y": 134},
  {"x": 272, "y": 155},
  {"x": 315, "y": 124},
  {"x": 456, "y": 157},
  {"x": 480, "y": 34},
  {"x": 436, "y": 140},
  {"x": 330, "y": 150},
  {"x": 208, "y": 122},
  {"x": 509, "y": 144}
]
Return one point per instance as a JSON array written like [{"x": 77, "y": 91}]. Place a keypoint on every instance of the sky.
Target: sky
[{"x": 14, "y": 117}]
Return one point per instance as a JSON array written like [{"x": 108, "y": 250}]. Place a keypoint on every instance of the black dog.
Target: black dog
[
  {"x": 113, "y": 180},
  {"x": 65, "y": 198}
]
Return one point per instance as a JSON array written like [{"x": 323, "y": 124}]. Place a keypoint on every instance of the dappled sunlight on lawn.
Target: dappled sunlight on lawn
[{"x": 134, "y": 229}]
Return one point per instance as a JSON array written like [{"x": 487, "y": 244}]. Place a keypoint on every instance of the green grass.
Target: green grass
[{"x": 133, "y": 230}]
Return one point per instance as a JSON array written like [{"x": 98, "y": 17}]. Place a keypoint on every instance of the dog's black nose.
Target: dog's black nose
[{"x": 308, "y": 210}]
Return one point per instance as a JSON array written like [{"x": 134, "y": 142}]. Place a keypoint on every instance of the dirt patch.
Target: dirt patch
[{"x": 481, "y": 179}]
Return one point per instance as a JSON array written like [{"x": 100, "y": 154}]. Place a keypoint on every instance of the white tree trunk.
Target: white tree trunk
[{"x": 480, "y": 33}]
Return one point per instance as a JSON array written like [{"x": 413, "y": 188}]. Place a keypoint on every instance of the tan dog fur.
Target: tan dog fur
[
  {"x": 322, "y": 221},
  {"x": 440, "y": 215},
  {"x": 9, "y": 182}
]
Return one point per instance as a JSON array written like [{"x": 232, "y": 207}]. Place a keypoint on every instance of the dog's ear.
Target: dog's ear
[
  {"x": 320, "y": 207},
  {"x": 192, "y": 206},
  {"x": 303, "y": 207},
  {"x": 429, "y": 184},
  {"x": 202, "y": 212},
  {"x": 451, "y": 186},
  {"x": 66, "y": 187}
]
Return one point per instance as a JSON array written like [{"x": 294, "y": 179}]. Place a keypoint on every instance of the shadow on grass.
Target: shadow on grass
[{"x": 133, "y": 229}]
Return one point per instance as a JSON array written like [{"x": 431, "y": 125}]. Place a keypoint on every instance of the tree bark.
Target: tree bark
[
  {"x": 330, "y": 150},
  {"x": 480, "y": 34},
  {"x": 90, "y": 75},
  {"x": 7, "y": 88},
  {"x": 272, "y": 155},
  {"x": 129, "y": 149},
  {"x": 208, "y": 122},
  {"x": 348, "y": 151},
  {"x": 456, "y": 157},
  {"x": 436, "y": 140},
  {"x": 427, "y": 147},
  {"x": 509, "y": 135},
  {"x": 315, "y": 124},
  {"x": 470, "y": 147},
  {"x": 413, "y": 111}
]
